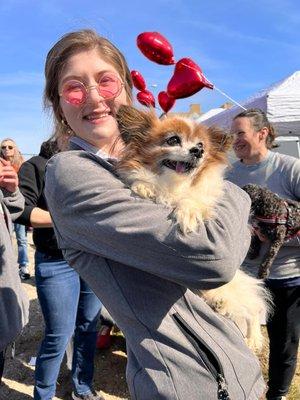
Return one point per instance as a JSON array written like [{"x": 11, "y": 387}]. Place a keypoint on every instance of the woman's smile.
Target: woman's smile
[
  {"x": 94, "y": 120},
  {"x": 97, "y": 118}
]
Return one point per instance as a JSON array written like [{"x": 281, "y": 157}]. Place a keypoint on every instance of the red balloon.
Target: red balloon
[
  {"x": 146, "y": 98},
  {"x": 138, "y": 80},
  {"x": 155, "y": 47},
  {"x": 187, "y": 79},
  {"x": 165, "y": 101}
]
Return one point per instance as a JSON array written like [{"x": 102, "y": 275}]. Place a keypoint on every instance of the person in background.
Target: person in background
[
  {"x": 253, "y": 141},
  {"x": 68, "y": 305},
  {"x": 14, "y": 303},
  {"x": 10, "y": 152},
  {"x": 129, "y": 249}
]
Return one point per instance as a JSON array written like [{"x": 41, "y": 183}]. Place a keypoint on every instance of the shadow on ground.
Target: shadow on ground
[{"x": 109, "y": 377}]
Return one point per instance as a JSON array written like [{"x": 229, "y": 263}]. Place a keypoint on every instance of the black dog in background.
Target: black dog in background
[{"x": 277, "y": 219}]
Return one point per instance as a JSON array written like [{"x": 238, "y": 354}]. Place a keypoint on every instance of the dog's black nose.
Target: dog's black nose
[{"x": 196, "y": 152}]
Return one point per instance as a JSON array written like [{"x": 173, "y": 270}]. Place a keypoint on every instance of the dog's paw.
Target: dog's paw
[
  {"x": 187, "y": 218},
  {"x": 144, "y": 190},
  {"x": 208, "y": 213}
]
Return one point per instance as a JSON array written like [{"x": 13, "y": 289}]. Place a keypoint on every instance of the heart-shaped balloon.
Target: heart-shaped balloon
[
  {"x": 138, "y": 80},
  {"x": 146, "y": 98},
  {"x": 187, "y": 79},
  {"x": 165, "y": 101},
  {"x": 155, "y": 47}
]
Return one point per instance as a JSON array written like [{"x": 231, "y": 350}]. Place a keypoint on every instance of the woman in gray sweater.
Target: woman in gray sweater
[
  {"x": 253, "y": 140},
  {"x": 130, "y": 251}
]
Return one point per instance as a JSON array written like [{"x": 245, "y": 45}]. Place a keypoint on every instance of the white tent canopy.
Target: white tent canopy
[{"x": 280, "y": 101}]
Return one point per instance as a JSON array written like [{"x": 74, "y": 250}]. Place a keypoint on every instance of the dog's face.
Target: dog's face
[
  {"x": 170, "y": 145},
  {"x": 175, "y": 146}
]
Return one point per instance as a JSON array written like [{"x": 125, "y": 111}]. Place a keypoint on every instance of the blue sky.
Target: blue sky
[{"x": 241, "y": 46}]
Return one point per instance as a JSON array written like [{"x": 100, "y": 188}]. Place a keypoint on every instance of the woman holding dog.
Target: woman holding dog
[
  {"x": 253, "y": 139},
  {"x": 130, "y": 251}
]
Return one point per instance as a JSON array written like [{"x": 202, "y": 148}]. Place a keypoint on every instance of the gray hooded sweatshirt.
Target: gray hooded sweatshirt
[{"x": 130, "y": 251}]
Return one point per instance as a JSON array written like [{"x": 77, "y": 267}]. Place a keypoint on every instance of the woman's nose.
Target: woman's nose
[{"x": 93, "y": 95}]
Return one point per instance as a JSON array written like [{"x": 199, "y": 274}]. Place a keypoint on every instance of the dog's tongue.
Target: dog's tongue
[{"x": 180, "y": 167}]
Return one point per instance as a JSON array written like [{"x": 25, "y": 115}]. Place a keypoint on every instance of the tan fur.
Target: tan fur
[
  {"x": 191, "y": 194},
  {"x": 245, "y": 301}
]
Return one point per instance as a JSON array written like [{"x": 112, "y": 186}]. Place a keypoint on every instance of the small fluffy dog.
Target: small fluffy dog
[
  {"x": 277, "y": 219},
  {"x": 179, "y": 163}
]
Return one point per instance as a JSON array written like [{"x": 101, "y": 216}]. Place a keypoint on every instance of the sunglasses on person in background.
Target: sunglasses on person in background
[
  {"x": 76, "y": 93},
  {"x": 7, "y": 147}
]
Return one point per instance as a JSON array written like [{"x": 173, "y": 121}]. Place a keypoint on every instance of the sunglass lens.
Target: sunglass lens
[
  {"x": 74, "y": 93},
  {"x": 110, "y": 86}
]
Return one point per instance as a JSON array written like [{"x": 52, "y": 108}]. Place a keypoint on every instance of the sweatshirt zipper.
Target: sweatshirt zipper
[{"x": 208, "y": 357}]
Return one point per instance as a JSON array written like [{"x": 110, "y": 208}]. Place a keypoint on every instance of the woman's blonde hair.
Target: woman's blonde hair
[
  {"x": 57, "y": 58},
  {"x": 17, "y": 159}
]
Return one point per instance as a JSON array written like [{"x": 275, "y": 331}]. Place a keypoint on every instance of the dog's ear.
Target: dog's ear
[
  {"x": 134, "y": 124},
  {"x": 221, "y": 139}
]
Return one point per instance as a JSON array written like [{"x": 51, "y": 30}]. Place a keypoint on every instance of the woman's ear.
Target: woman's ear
[
  {"x": 134, "y": 124},
  {"x": 263, "y": 133}
]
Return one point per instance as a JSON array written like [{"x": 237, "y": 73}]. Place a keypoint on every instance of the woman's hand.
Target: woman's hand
[{"x": 8, "y": 176}]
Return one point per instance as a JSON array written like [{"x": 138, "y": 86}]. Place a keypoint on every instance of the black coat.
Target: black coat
[{"x": 31, "y": 183}]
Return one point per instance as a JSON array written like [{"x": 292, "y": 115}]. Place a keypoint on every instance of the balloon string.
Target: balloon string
[
  {"x": 230, "y": 98},
  {"x": 224, "y": 94}
]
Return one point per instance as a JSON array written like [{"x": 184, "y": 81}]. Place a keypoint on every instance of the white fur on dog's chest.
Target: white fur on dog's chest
[{"x": 192, "y": 202}]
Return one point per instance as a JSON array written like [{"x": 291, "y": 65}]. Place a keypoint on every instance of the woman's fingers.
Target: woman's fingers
[
  {"x": 4, "y": 162},
  {"x": 9, "y": 174},
  {"x": 8, "y": 178}
]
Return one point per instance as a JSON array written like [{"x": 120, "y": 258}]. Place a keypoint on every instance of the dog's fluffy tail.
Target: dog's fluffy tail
[{"x": 246, "y": 301}]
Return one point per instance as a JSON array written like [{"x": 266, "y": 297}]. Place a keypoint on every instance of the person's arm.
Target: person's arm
[
  {"x": 10, "y": 193},
  {"x": 95, "y": 213},
  {"x": 40, "y": 218},
  {"x": 293, "y": 176},
  {"x": 292, "y": 179},
  {"x": 31, "y": 183}
]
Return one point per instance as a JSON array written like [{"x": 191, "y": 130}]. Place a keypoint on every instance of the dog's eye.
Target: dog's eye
[
  {"x": 200, "y": 145},
  {"x": 173, "y": 141}
]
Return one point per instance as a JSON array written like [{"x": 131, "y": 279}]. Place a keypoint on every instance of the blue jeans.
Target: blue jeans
[
  {"x": 21, "y": 237},
  {"x": 69, "y": 307}
]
